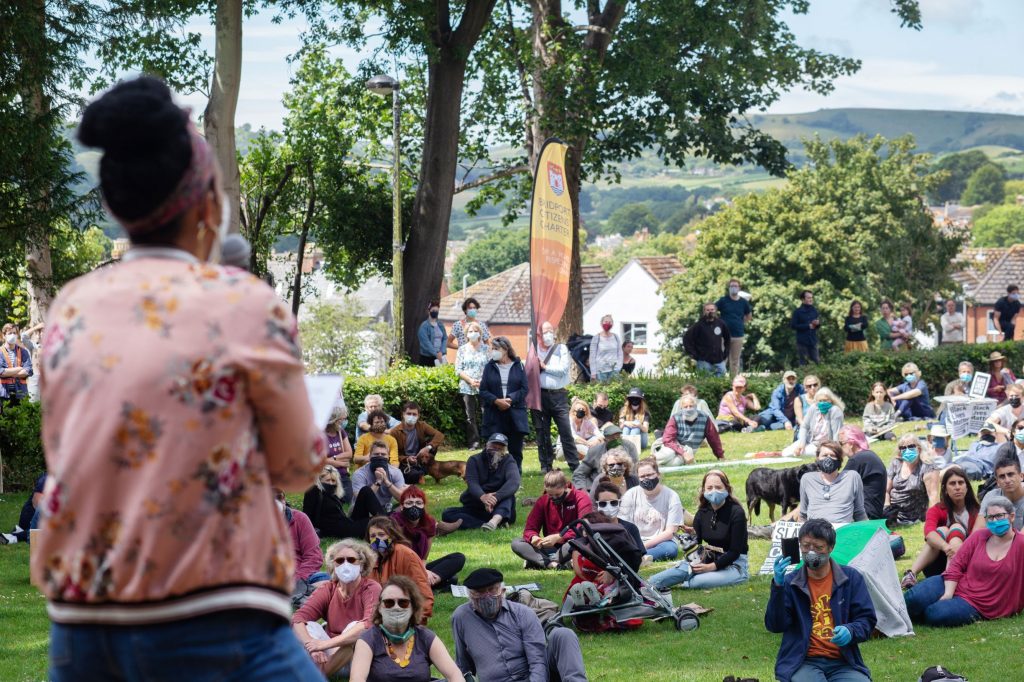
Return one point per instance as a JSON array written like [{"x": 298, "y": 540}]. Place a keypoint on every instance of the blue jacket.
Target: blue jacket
[
  {"x": 778, "y": 401},
  {"x": 789, "y": 612},
  {"x": 514, "y": 419},
  {"x": 801, "y": 322},
  {"x": 425, "y": 336}
]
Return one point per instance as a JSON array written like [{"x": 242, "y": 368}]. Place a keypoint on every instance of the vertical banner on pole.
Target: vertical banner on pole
[{"x": 550, "y": 252}]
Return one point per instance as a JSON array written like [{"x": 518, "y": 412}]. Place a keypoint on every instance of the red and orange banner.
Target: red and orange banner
[{"x": 550, "y": 251}]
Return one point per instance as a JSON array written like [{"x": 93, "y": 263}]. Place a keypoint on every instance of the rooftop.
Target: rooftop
[
  {"x": 661, "y": 268},
  {"x": 504, "y": 298},
  {"x": 1008, "y": 269}
]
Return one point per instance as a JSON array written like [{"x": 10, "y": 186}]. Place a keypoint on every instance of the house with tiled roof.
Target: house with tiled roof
[
  {"x": 633, "y": 298},
  {"x": 1007, "y": 269}
]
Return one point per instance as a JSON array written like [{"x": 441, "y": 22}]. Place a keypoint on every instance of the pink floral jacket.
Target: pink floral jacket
[{"x": 173, "y": 400}]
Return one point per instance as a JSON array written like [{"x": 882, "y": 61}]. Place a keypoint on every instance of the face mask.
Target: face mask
[
  {"x": 909, "y": 456},
  {"x": 824, "y": 406},
  {"x": 378, "y": 463},
  {"x": 347, "y": 573},
  {"x": 1019, "y": 436},
  {"x": 828, "y": 465},
  {"x": 910, "y": 378},
  {"x": 607, "y": 326},
  {"x": 280, "y": 505},
  {"x": 395, "y": 618},
  {"x": 497, "y": 455},
  {"x": 1014, "y": 297},
  {"x": 11, "y": 339},
  {"x": 473, "y": 336},
  {"x": 560, "y": 499},
  {"x": 471, "y": 313},
  {"x": 650, "y": 483},
  {"x": 434, "y": 314},
  {"x": 716, "y": 497},
  {"x": 966, "y": 376},
  {"x": 1015, "y": 401},
  {"x": 939, "y": 443},
  {"x": 1000, "y": 527},
  {"x": 412, "y": 513},
  {"x": 607, "y": 509},
  {"x": 734, "y": 290},
  {"x": 488, "y": 606},
  {"x": 689, "y": 414},
  {"x": 987, "y": 437},
  {"x": 549, "y": 338},
  {"x": 381, "y": 545},
  {"x": 634, "y": 403},
  {"x": 379, "y": 428},
  {"x": 815, "y": 560},
  {"x": 344, "y": 423},
  {"x": 709, "y": 316},
  {"x": 581, "y": 413},
  {"x": 411, "y": 419},
  {"x": 616, "y": 470},
  {"x": 496, "y": 355}
]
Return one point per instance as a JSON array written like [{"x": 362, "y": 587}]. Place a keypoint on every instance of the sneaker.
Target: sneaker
[
  {"x": 552, "y": 565},
  {"x": 7, "y": 539},
  {"x": 488, "y": 527},
  {"x": 584, "y": 594},
  {"x": 909, "y": 580},
  {"x": 646, "y": 561}
]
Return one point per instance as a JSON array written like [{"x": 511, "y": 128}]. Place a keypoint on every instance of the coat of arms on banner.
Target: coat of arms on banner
[{"x": 555, "y": 178}]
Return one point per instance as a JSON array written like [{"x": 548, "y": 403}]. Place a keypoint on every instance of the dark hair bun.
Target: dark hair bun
[{"x": 145, "y": 139}]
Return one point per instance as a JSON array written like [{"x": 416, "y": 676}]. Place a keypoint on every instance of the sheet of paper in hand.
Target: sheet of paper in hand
[{"x": 324, "y": 391}]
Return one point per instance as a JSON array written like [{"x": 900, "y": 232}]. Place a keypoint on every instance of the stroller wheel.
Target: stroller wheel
[{"x": 686, "y": 620}]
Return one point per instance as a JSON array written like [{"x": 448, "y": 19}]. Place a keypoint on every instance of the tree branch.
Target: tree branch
[
  {"x": 269, "y": 199},
  {"x": 474, "y": 17},
  {"x": 508, "y": 172}
]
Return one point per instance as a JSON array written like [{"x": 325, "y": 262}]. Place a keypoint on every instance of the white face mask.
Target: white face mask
[
  {"x": 280, "y": 505},
  {"x": 347, "y": 573},
  {"x": 549, "y": 338},
  {"x": 11, "y": 339},
  {"x": 473, "y": 336},
  {"x": 411, "y": 419},
  {"x": 496, "y": 355}
]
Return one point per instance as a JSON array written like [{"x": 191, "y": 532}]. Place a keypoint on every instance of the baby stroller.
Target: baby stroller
[{"x": 609, "y": 546}]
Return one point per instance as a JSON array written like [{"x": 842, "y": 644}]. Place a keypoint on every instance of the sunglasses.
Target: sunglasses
[
  {"x": 811, "y": 385},
  {"x": 907, "y": 447},
  {"x": 402, "y": 603},
  {"x": 346, "y": 560},
  {"x": 608, "y": 504}
]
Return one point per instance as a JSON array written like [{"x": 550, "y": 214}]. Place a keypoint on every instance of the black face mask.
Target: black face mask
[
  {"x": 828, "y": 465},
  {"x": 560, "y": 499},
  {"x": 649, "y": 483},
  {"x": 635, "y": 404},
  {"x": 1015, "y": 401},
  {"x": 581, "y": 413},
  {"x": 412, "y": 513},
  {"x": 434, "y": 313}
]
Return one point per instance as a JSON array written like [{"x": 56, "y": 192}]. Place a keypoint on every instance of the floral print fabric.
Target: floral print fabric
[{"x": 174, "y": 400}]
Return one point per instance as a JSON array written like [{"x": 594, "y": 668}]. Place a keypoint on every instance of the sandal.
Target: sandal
[{"x": 909, "y": 580}]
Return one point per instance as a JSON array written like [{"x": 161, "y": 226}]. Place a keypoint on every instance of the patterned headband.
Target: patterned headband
[{"x": 189, "y": 191}]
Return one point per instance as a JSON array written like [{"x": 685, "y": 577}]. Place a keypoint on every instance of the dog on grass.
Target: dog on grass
[
  {"x": 775, "y": 487},
  {"x": 439, "y": 470}
]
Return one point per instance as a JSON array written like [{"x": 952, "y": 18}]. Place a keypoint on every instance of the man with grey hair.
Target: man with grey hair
[{"x": 372, "y": 402}]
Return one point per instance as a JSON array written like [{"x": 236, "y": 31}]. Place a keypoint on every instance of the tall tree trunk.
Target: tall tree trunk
[
  {"x": 39, "y": 267},
  {"x": 423, "y": 267},
  {"x": 306, "y": 222},
  {"x": 219, "y": 117}
]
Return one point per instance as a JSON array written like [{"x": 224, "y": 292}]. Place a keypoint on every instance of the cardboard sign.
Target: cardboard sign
[
  {"x": 979, "y": 385},
  {"x": 966, "y": 416},
  {"x": 782, "y": 529}
]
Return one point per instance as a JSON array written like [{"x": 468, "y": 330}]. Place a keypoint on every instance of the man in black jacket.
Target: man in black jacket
[
  {"x": 492, "y": 479},
  {"x": 707, "y": 341}
]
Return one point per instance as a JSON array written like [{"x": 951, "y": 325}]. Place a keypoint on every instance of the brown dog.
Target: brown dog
[{"x": 439, "y": 470}]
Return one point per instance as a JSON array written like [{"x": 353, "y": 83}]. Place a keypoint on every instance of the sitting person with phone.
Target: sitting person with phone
[{"x": 823, "y": 610}]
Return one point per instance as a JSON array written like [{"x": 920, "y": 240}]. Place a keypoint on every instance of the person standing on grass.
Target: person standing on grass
[
  {"x": 460, "y": 330},
  {"x": 707, "y": 341},
  {"x": 823, "y": 611},
  {"x": 605, "y": 352},
  {"x": 158, "y": 522},
  {"x": 15, "y": 366},
  {"x": 855, "y": 326},
  {"x": 952, "y": 324},
  {"x": 1006, "y": 310},
  {"x": 503, "y": 390},
  {"x": 432, "y": 338},
  {"x": 736, "y": 312},
  {"x": 554, "y": 400},
  {"x": 469, "y": 365},
  {"x": 805, "y": 323}
]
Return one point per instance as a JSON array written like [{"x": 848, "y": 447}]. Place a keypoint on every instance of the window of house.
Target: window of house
[
  {"x": 635, "y": 332},
  {"x": 991, "y": 327}
]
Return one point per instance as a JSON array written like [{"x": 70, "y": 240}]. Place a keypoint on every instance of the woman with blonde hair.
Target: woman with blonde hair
[
  {"x": 585, "y": 431},
  {"x": 911, "y": 397},
  {"x": 910, "y": 476},
  {"x": 323, "y": 504},
  {"x": 469, "y": 365},
  {"x": 822, "y": 422},
  {"x": 345, "y": 604}
]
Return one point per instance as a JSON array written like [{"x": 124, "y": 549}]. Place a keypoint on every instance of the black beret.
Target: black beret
[{"x": 483, "y": 577}]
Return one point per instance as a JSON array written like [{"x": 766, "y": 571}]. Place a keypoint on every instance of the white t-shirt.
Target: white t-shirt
[
  {"x": 1005, "y": 416},
  {"x": 651, "y": 516}
]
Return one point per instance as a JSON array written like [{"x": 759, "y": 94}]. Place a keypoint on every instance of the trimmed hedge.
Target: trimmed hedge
[{"x": 21, "y": 445}]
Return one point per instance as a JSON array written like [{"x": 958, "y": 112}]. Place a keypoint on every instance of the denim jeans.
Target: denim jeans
[
  {"x": 716, "y": 368},
  {"x": 231, "y": 645},
  {"x": 664, "y": 550},
  {"x": 733, "y": 574},
  {"x": 635, "y": 431},
  {"x": 924, "y": 606},
  {"x": 603, "y": 377},
  {"x": 817, "y": 669}
]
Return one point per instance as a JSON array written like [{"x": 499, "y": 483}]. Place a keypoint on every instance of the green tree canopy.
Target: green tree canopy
[
  {"x": 498, "y": 251},
  {"x": 1013, "y": 189},
  {"x": 336, "y": 338},
  {"x": 849, "y": 225},
  {"x": 985, "y": 186},
  {"x": 630, "y": 219},
  {"x": 1001, "y": 226},
  {"x": 957, "y": 169}
]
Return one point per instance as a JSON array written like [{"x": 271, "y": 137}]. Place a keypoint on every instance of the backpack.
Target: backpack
[{"x": 937, "y": 673}]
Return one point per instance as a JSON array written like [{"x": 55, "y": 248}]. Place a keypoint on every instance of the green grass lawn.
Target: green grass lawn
[{"x": 731, "y": 640}]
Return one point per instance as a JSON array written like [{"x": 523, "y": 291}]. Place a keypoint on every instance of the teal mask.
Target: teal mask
[
  {"x": 965, "y": 377},
  {"x": 1000, "y": 527},
  {"x": 909, "y": 456},
  {"x": 910, "y": 378},
  {"x": 824, "y": 406}
]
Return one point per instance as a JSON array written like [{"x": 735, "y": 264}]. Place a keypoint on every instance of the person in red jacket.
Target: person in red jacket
[
  {"x": 543, "y": 544},
  {"x": 309, "y": 558}
]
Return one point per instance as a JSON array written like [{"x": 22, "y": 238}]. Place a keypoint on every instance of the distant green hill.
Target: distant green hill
[{"x": 937, "y": 132}]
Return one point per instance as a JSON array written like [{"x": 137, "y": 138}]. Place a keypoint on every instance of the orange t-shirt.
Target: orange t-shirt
[{"x": 822, "y": 622}]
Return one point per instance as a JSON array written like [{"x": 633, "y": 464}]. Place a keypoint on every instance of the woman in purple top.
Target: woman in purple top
[{"x": 397, "y": 650}]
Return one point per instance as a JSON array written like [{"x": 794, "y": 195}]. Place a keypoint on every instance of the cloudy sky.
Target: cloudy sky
[{"x": 968, "y": 57}]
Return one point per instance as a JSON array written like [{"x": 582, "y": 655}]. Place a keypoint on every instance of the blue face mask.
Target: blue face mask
[
  {"x": 716, "y": 497},
  {"x": 824, "y": 406},
  {"x": 966, "y": 376},
  {"x": 909, "y": 456},
  {"x": 382, "y": 545},
  {"x": 910, "y": 378},
  {"x": 1000, "y": 527},
  {"x": 939, "y": 443},
  {"x": 1019, "y": 436},
  {"x": 344, "y": 423}
]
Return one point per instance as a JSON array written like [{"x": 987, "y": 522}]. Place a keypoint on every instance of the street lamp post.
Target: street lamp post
[{"x": 382, "y": 85}]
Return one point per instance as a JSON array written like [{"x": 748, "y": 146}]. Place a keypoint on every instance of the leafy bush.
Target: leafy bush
[{"x": 21, "y": 445}]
